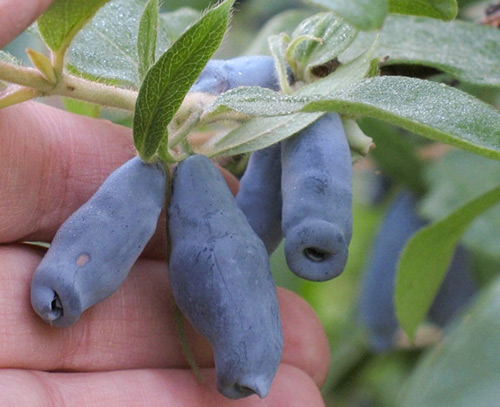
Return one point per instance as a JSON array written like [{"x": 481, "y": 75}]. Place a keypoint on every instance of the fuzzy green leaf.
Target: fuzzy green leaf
[
  {"x": 345, "y": 75},
  {"x": 255, "y": 101},
  {"x": 443, "y": 9},
  {"x": 433, "y": 110},
  {"x": 329, "y": 37},
  {"x": 170, "y": 78},
  {"x": 426, "y": 258},
  {"x": 362, "y": 14},
  {"x": 63, "y": 19},
  {"x": 467, "y": 51},
  {"x": 146, "y": 39},
  {"x": 463, "y": 370},
  {"x": 277, "y": 46},
  {"x": 259, "y": 133},
  {"x": 106, "y": 48}
]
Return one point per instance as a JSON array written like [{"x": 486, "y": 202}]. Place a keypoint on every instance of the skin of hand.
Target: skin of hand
[
  {"x": 16, "y": 15},
  {"x": 124, "y": 350}
]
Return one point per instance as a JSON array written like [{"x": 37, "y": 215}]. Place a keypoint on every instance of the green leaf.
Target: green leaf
[
  {"x": 463, "y": 370},
  {"x": 426, "y": 258},
  {"x": 467, "y": 51},
  {"x": 256, "y": 101},
  {"x": 259, "y": 133},
  {"x": 82, "y": 108},
  {"x": 146, "y": 39},
  {"x": 63, "y": 19},
  {"x": 433, "y": 110},
  {"x": 362, "y": 14},
  {"x": 106, "y": 48},
  {"x": 453, "y": 180},
  {"x": 443, "y": 9},
  {"x": 170, "y": 78},
  {"x": 277, "y": 46},
  {"x": 328, "y": 37},
  {"x": 344, "y": 76}
]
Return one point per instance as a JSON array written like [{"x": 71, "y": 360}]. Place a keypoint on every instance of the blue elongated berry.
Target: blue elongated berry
[
  {"x": 259, "y": 196},
  {"x": 456, "y": 290},
  {"x": 377, "y": 291},
  {"x": 220, "y": 75},
  {"x": 221, "y": 280},
  {"x": 316, "y": 185},
  {"x": 95, "y": 248}
]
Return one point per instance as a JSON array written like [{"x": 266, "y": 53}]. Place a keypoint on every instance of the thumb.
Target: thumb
[{"x": 16, "y": 16}]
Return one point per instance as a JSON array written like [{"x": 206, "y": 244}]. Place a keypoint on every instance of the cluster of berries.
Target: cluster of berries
[{"x": 219, "y": 270}]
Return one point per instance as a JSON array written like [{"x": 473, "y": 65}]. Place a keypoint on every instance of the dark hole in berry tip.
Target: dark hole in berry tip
[
  {"x": 315, "y": 255},
  {"x": 56, "y": 309},
  {"x": 244, "y": 390}
]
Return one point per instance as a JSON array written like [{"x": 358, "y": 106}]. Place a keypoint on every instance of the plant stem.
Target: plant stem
[
  {"x": 185, "y": 129},
  {"x": 69, "y": 86},
  {"x": 94, "y": 92},
  {"x": 58, "y": 62},
  {"x": 24, "y": 76}
]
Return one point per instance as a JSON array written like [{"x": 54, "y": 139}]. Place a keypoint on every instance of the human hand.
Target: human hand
[
  {"x": 16, "y": 15},
  {"x": 124, "y": 350}
]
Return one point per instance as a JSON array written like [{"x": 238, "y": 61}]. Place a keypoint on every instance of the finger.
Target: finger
[
  {"x": 291, "y": 388},
  {"x": 134, "y": 328},
  {"x": 51, "y": 162},
  {"x": 16, "y": 16}
]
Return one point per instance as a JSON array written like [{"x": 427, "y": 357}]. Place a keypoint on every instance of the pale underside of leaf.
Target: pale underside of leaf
[{"x": 259, "y": 133}]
